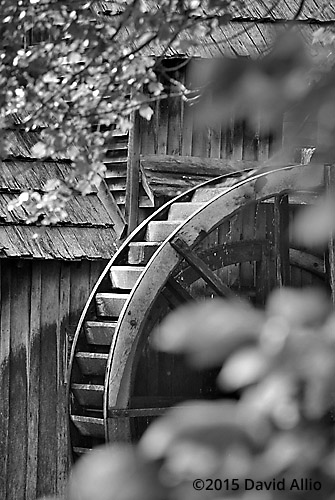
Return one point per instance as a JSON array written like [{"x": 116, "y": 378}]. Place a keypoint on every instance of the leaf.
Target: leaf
[
  {"x": 155, "y": 88},
  {"x": 52, "y": 184},
  {"x": 307, "y": 307},
  {"x": 208, "y": 332},
  {"x": 245, "y": 367},
  {"x": 75, "y": 57},
  {"x": 115, "y": 471},
  {"x": 314, "y": 225},
  {"x": 146, "y": 112},
  {"x": 213, "y": 424},
  {"x": 39, "y": 150}
]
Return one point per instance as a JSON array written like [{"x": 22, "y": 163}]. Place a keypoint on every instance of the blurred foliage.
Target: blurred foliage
[{"x": 282, "y": 361}]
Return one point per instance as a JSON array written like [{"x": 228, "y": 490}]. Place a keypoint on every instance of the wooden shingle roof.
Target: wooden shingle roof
[
  {"x": 249, "y": 33},
  {"x": 87, "y": 232}
]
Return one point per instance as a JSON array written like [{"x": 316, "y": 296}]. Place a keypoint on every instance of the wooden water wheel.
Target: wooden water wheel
[{"x": 189, "y": 248}]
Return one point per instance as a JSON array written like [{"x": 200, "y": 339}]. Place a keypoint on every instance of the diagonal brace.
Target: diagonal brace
[{"x": 202, "y": 269}]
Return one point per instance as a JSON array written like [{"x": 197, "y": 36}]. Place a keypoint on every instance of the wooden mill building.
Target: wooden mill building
[{"x": 197, "y": 224}]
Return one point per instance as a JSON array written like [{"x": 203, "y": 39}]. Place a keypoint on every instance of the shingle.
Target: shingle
[
  {"x": 57, "y": 243},
  {"x": 78, "y": 237},
  {"x": 233, "y": 38}
]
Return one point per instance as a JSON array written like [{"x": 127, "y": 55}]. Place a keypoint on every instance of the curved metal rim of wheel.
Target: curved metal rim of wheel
[{"x": 134, "y": 313}]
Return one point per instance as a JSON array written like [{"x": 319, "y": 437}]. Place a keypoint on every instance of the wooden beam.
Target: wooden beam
[
  {"x": 138, "y": 412},
  {"x": 281, "y": 240},
  {"x": 108, "y": 200},
  {"x": 330, "y": 189},
  {"x": 148, "y": 401},
  {"x": 175, "y": 294},
  {"x": 133, "y": 175},
  {"x": 220, "y": 256},
  {"x": 167, "y": 175},
  {"x": 308, "y": 262},
  {"x": 203, "y": 270},
  {"x": 194, "y": 165}
]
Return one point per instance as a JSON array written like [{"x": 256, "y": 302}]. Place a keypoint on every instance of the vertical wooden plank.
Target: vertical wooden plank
[
  {"x": 223, "y": 232},
  {"x": 133, "y": 175},
  {"x": 33, "y": 380},
  {"x": 162, "y": 119},
  {"x": 96, "y": 268},
  {"x": 80, "y": 288},
  {"x": 276, "y": 138},
  {"x": 319, "y": 282},
  {"x": 235, "y": 231},
  {"x": 263, "y": 146},
  {"x": 237, "y": 140},
  {"x": 200, "y": 139},
  {"x": 248, "y": 232},
  {"x": 296, "y": 280},
  {"x": 281, "y": 240},
  {"x": 47, "y": 444},
  {"x": 160, "y": 365},
  {"x": 188, "y": 114},
  {"x": 200, "y": 132},
  {"x": 141, "y": 380},
  {"x": 148, "y": 136},
  {"x": 174, "y": 127},
  {"x": 306, "y": 278},
  {"x": 262, "y": 270},
  {"x": 18, "y": 394},
  {"x": 269, "y": 217},
  {"x": 5, "y": 284},
  {"x": 330, "y": 187},
  {"x": 187, "y": 130},
  {"x": 227, "y": 139},
  {"x": 212, "y": 239},
  {"x": 119, "y": 430},
  {"x": 215, "y": 146},
  {"x": 62, "y": 356},
  {"x": 249, "y": 147},
  {"x": 174, "y": 140}
]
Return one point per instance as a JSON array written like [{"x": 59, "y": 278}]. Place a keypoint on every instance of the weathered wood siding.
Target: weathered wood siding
[
  {"x": 174, "y": 130},
  {"x": 40, "y": 305}
]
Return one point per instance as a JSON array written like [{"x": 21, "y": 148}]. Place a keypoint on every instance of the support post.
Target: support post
[
  {"x": 330, "y": 190},
  {"x": 281, "y": 240},
  {"x": 133, "y": 175}
]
